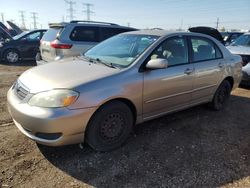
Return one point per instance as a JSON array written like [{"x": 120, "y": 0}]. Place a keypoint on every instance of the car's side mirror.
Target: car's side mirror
[{"x": 157, "y": 64}]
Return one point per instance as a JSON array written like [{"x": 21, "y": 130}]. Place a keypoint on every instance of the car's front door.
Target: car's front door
[
  {"x": 168, "y": 89},
  {"x": 209, "y": 65},
  {"x": 29, "y": 44}
]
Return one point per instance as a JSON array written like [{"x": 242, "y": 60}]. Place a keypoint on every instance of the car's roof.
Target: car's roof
[
  {"x": 160, "y": 33},
  {"x": 89, "y": 24},
  {"x": 156, "y": 32}
]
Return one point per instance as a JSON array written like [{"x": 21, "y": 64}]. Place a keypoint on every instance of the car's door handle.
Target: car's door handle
[
  {"x": 221, "y": 65},
  {"x": 189, "y": 71}
]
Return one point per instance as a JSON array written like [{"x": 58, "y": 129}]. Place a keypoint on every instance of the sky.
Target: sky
[{"x": 166, "y": 14}]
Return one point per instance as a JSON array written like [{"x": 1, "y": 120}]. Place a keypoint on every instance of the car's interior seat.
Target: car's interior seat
[{"x": 203, "y": 52}]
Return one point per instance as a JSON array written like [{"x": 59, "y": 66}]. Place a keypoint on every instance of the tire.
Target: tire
[
  {"x": 110, "y": 126},
  {"x": 11, "y": 56},
  {"x": 221, "y": 95}
]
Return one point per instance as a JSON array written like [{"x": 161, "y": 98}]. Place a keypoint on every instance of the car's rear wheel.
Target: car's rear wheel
[
  {"x": 11, "y": 56},
  {"x": 221, "y": 95},
  {"x": 110, "y": 126}
]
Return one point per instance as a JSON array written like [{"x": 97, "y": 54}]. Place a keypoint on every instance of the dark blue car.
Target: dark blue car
[{"x": 21, "y": 47}]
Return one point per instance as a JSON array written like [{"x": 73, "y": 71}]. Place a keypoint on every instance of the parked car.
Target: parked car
[
  {"x": 74, "y": 38},
  {"x": 125, "y": 80},
  {"x": 230, "y": 37},
  {"x": 241, "y": 46},
  {"x": 21, "y": 47}
]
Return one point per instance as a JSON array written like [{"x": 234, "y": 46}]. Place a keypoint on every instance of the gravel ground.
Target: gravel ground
[{"x": 192, "y": 148}]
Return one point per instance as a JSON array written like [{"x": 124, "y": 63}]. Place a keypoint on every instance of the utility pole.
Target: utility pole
[
  {"x": 217, "y": 23},
  {"x": 22, "y": 18},
  {"x": 34, "y": 17},
  {"x": 181, "y": 25},
  {"x": 71, "y": 9},
  {"x": 2, "y": 16},
  {"x": 88, "y": 10}
]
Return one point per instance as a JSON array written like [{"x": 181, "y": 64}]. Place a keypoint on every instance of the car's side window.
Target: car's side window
[
  {"x": 203, "y": 49},
  {"x": 33, "y": 37},
  {"x": 174, "y": 50},
  {"x": 87, "y": 34},
  {"x": 107, "y": 32}
]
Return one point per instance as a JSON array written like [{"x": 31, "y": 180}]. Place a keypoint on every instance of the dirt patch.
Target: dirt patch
[{"x": 192, "y": 148}]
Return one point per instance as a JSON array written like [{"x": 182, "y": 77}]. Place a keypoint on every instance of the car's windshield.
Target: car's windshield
[
  {"x": 121, "y": 50},
  {"x": 243, "y": 40},
  {"x": 19, "y": 36}
]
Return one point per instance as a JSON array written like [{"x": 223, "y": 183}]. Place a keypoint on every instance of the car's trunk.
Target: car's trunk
[
  {"x": 48, "y": 53},
  {"x": 208, "y": 31}
]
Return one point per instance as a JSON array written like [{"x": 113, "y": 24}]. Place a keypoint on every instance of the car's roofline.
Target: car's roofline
[
  {"x": 79, "y": 23},
  {"x": 162, "y": 33}
]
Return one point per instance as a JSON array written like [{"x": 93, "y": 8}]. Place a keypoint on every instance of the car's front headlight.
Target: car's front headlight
[{"x": 54, "y": 98}]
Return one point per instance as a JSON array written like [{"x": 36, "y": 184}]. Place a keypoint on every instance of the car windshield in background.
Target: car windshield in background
[
  {"x": 19, "y": 36},
  {"x": 121, "y": 50},
  {"x": 243, "y": 40}
]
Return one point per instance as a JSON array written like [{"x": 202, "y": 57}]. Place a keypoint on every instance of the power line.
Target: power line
[
  {"x": 88, "y": 10},
  {"x": 34, "y": 17},
  {"x": 2, "y": 16},
  {"x": 22, "y": 18},
  {"x": 217, "y": 23},
  {"x": 71, "y": 9}
]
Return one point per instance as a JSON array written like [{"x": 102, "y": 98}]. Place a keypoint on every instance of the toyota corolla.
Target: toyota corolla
[{"x": 125, "y": 80}]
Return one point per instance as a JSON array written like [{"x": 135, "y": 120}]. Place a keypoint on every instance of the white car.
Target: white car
[{"x": 241, "y": 46}]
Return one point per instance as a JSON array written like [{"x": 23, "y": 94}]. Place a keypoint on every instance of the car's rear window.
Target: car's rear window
[{"x": 52, "y": 34}]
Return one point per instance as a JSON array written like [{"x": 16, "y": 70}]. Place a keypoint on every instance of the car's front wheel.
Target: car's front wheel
[
  {"x": 221, "y": 95},
  {"x": 110, "y": 126},
  {"x": 11, "y": 56}
]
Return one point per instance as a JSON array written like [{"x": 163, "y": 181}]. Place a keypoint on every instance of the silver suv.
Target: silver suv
[{"x": 74, "y": 38}]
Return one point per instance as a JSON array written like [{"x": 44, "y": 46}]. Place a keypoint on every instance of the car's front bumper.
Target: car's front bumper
[{"x": 49, "y": 126}]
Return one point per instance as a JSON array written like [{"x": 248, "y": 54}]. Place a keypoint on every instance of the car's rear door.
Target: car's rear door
[
  {"x": 83, "y": 37},
  {"x": 168, "y": 89},
  {"x": 208, "y": 65}
]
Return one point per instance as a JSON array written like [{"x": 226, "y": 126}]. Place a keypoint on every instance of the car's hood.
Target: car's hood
[
  {"x": 240, "y": 50},
  {"x": 208, "y": 31},
  {"x": 67, "y": 74},
  {"x": 15, "y": 28},
  {"x": 5, "y": 31}
]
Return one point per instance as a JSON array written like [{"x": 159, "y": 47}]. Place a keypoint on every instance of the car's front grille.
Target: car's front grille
[
  {"x": 245, "y": 59},
  {"x": 20, "y": 90}
]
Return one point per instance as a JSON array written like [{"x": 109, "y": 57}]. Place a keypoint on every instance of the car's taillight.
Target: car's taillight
[{"x": 54, "y": 44}]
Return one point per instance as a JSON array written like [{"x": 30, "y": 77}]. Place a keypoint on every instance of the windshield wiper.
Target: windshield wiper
[
  {"x": 111, "y": 65},
  {"x": 97, "y": 60}
]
